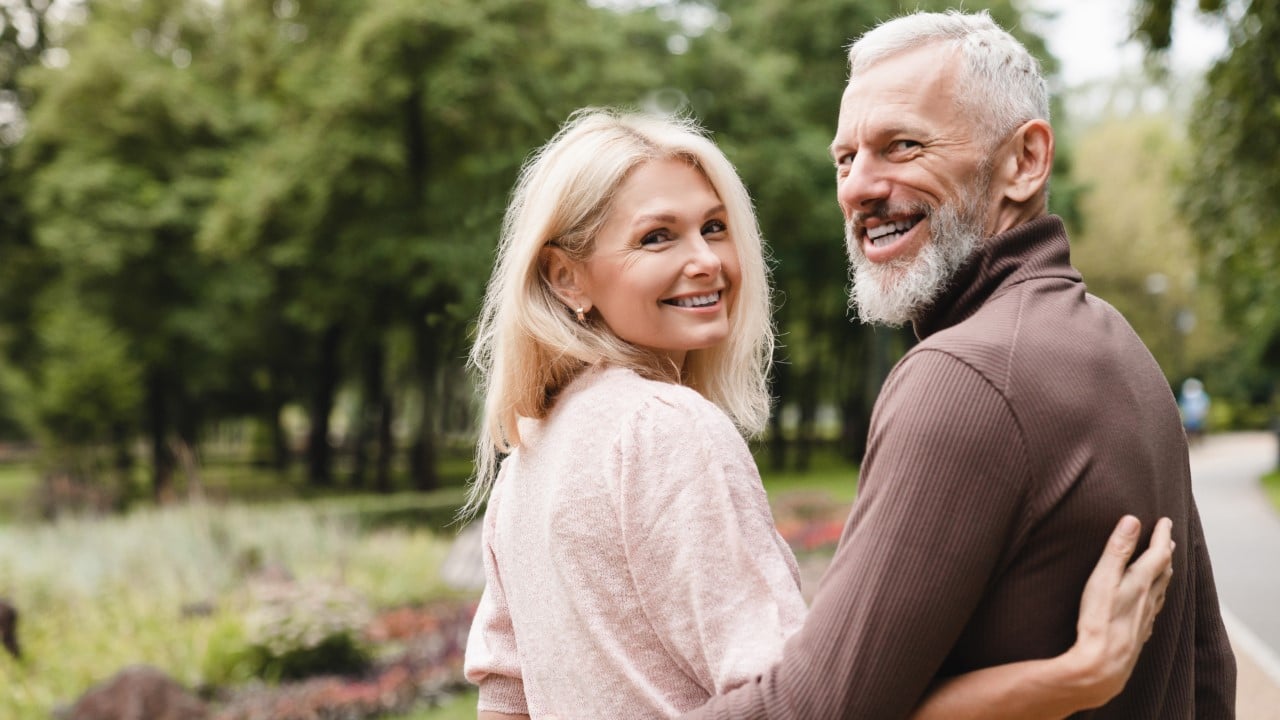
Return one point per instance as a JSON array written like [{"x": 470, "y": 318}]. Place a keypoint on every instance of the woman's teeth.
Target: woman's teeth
[{"x": 696, "y": 300}]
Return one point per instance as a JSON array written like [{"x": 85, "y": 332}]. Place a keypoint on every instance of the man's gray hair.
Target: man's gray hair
[{"x": 1001, "y": 85}]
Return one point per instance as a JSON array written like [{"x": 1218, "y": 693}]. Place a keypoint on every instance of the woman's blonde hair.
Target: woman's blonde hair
[{"x": 529, "y": 345}]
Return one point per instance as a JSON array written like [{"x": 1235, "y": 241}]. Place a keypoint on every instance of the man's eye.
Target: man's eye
[
  {"x": 903, "y": 146},
  {"x": 845, "y": 160},
  {"x": 714, "y": 227}
]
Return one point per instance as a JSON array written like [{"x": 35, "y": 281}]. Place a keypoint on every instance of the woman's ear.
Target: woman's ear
[
  {"x": 1029, "y": 161},
  {"x": 565, "y": 277}
]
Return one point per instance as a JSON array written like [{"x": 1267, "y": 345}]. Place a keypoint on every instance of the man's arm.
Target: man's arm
[
  {"x": 941, "y": 496},
  {"x": 1117, "y": 611}
]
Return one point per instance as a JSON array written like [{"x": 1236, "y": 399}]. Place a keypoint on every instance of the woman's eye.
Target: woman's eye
[
  {"x": 654, "y": 237},
  {"x": 714, "y": 227}
]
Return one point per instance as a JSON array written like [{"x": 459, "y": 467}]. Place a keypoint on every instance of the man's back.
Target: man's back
[
  {"x": 1102, "y": 437},
  {"x": 1002, "y": 450}
]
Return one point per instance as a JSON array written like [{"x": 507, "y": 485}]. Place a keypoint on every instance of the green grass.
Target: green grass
[
  {"x": 17, "y": 482},
  {"x": 1271, "y": 484},
  {"x": 828, "y": 473},
  {"x": 459, "y": 707}
]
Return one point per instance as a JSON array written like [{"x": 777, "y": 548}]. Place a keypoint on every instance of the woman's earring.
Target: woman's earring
[{"x": 582, "y": 315}]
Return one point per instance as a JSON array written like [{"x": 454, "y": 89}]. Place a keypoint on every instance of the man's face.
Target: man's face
[{"x": 911, "y": 182}]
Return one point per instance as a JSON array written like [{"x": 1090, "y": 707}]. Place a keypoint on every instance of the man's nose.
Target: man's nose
[{"x": 864, "y": 184}]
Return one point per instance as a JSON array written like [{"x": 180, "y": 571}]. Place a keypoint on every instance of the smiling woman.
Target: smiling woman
[
  {"x": 623, "y": 345},
  {"x": 664, "y": 270}
]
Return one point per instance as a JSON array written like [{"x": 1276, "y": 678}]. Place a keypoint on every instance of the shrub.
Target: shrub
[{"x": 297, "y": 630}]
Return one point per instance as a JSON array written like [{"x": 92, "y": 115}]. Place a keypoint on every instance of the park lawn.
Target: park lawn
[
  {"x": 17, "y": 483},
  {"x": 458, "y": 707},
  {"x": 828, "y": 473},
  {"x": 1271, "y": 484}
]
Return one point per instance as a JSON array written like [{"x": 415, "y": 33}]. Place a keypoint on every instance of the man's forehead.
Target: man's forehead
[{"x": 912, "y": 82}]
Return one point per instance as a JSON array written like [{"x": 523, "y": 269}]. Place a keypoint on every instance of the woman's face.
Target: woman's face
[{"x": 665, "y": 270}]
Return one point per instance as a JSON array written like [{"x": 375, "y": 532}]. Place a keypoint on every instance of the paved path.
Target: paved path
[{"x": 1243, "y": 531}]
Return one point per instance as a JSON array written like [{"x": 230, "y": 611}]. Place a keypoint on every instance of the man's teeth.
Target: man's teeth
[
  {"x": 886, "y": 234},
  {"x": 696, "y": 300}
]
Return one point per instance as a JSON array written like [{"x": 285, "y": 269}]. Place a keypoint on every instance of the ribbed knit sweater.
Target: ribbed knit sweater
[
  {"x": 632, "y": 566},
  {"x": 1003, "y": 449}
]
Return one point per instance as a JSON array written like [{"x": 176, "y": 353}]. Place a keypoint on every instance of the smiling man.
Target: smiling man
[{"x": 1003, "y": 445}]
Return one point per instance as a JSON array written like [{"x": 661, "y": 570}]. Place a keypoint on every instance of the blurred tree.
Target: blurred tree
[
  {"x": 1232, "y": 190},
  {"x": 1140, "y": 255},
  {"x": 26, "y": 34},
  {"x": 380, "y": 209},
  {"x": 121, "y": 153}
]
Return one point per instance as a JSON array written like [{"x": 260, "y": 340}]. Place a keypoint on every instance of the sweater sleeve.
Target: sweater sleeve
[
  {"x": 492, "y": 659},
  {"x": 942, "y": 488},
  {"x": 716, "y": 582},
  {"x": 1215, "y": 660}
]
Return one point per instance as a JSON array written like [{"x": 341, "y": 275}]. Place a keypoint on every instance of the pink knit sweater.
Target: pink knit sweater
[{"x": 632, "y": 565}]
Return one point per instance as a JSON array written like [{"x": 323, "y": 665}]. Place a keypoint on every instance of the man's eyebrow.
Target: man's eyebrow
[{"x": 839, "y": 147}]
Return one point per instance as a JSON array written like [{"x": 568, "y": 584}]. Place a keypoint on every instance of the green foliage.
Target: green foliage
[
  {"x": 88, "y": 380},
  {"x": 1231, "y": 192},
  {"x": 1140, "y": 256}
]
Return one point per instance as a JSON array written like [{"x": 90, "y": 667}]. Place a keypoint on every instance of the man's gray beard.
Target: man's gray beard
[{"x": 893, "y": 293}]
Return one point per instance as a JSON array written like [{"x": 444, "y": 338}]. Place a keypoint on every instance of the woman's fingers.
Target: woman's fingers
[{"x": 1151, "y": 566}]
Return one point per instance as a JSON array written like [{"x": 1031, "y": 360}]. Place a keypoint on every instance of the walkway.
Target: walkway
[{"x": 1243, "y": 532}]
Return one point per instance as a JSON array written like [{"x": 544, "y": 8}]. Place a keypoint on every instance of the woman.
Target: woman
[{"x": 632, "y": 565}]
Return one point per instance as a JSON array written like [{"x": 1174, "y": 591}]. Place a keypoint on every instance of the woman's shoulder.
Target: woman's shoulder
[{"x": 623, "y": 391}]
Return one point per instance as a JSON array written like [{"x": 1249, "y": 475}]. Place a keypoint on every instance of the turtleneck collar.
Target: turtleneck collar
[{"x": 1034, "y": 249}]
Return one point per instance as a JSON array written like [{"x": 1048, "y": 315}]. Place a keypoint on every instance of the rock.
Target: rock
[{"x": 138, "y": 692}]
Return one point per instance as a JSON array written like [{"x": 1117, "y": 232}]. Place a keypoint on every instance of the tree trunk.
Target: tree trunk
[
  {"x": 370, "y": 414},
  {"x": 319, "y": 454},
  {"x": 386, "y": 445},
  {"x": 806, "y": 431},
  {"x": 423, "y": 455},
  {"x": 158, "y": 429},
  {"x": 280, "y": 454}
]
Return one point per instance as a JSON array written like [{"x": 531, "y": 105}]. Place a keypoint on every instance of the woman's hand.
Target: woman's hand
[
  {"x": 1117, "y": 612},
  {"x": 1118, "y": 609}
]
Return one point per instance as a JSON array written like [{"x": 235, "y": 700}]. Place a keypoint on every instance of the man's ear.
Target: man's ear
[
  {"x": 1028, "y": 161},
  {"x": 565, "y": 277}
]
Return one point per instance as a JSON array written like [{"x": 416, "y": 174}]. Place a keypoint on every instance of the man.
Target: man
[{"x": 1003, "y": 445}]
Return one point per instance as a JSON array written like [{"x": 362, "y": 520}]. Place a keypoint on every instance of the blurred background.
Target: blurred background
[{"x": 243, "y": 242}]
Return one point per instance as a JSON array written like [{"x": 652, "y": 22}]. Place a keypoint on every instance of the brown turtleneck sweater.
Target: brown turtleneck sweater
[{"x": 1003, "y": 448}]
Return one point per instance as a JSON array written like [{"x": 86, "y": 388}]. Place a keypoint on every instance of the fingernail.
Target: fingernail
[{"x": 1129, "y": 525}]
